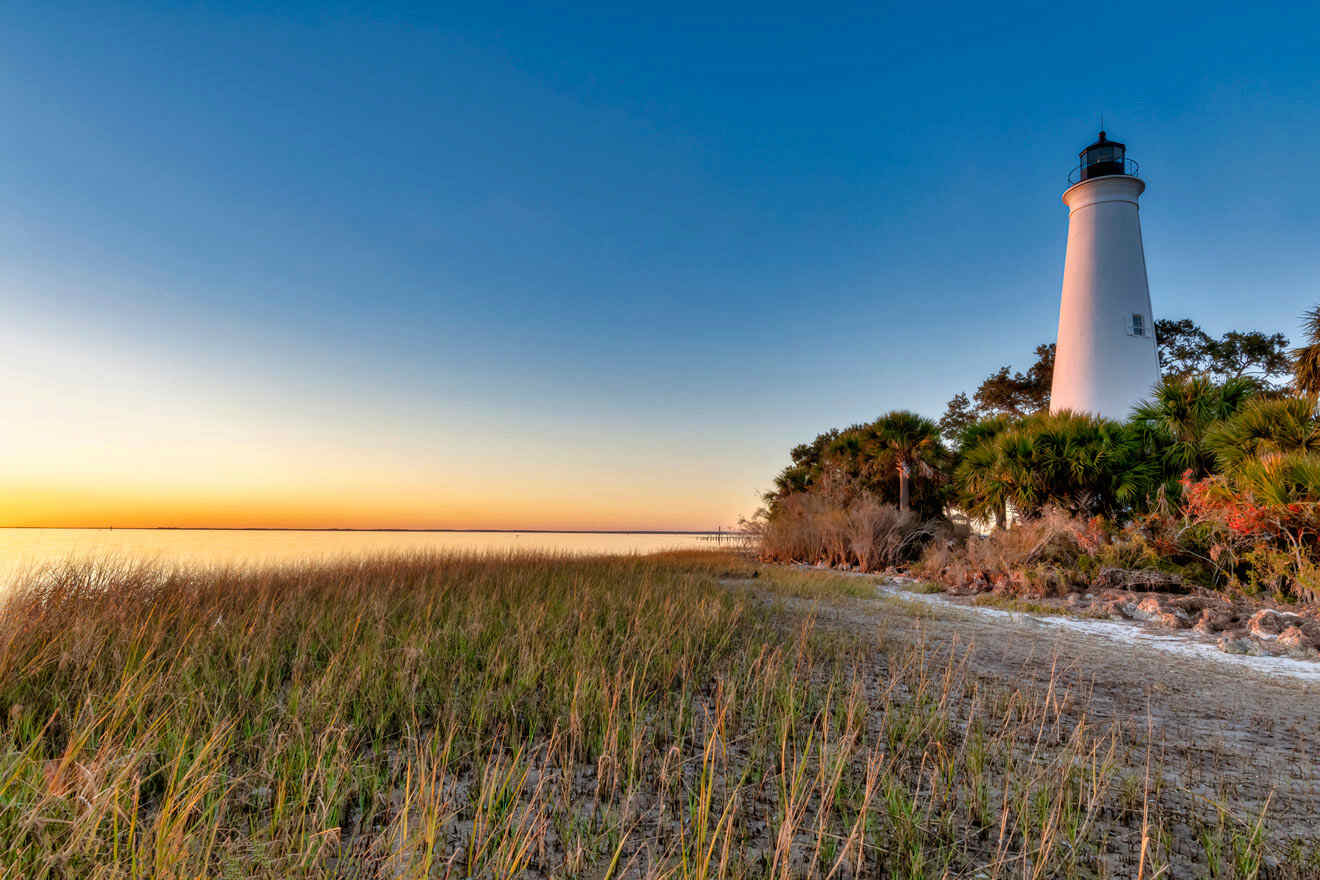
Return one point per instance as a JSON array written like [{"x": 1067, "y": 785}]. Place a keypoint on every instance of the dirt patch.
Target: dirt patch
[{"x": 1219, "y": 736}]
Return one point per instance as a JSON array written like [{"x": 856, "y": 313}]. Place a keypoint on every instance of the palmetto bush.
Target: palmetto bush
[
  {"x": 1264, "y": 426},
  {"x": 1082, "y": 464},
  {"x": 1306, "y": 359},
  {"x": 1280, "y": 479},
  {"x": 1172, "y": 425}
]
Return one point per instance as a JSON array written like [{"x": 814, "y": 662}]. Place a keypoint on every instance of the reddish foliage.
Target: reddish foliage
[{"x": 1244, "y": 523}]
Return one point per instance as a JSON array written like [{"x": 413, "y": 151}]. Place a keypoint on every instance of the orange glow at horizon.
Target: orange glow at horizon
[
  {"x": 99, "y": 436},
  {"x": 71, "y": 507}
]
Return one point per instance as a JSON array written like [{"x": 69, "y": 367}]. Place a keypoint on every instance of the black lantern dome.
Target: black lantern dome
[{"x": 1103, "y": 158}]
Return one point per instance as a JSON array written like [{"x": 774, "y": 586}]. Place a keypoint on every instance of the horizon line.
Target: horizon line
[{"x": 715, "y": 531}]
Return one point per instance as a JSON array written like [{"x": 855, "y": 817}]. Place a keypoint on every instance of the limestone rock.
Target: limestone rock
[
  {"x": 1238, "y": 645},
  {"x": 1268, "y": 623},
  {"x": 1140, "y": 580}
]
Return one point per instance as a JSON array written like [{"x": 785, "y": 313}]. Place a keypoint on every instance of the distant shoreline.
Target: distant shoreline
[{"x": 729, "y": 532}]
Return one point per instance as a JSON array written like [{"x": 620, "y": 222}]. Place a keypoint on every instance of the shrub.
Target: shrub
[
  {"x": 1172, "y": 425},
  {"x": 1082, "y": 464},
  {"x": 1263, "y": 524},
  {"x": 1263, "y": 427},
  {"x": 1040, "y": 556}
]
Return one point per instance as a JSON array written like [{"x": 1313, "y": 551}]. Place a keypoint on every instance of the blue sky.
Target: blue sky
[{"x": 589, "y": 266}]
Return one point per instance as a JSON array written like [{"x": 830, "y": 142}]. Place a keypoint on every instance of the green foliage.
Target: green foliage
[
  {"x": 872, "y": 459},
  {"x": 1263, "y": 426},
  {"x": 1280, "y": 479},
  {"x": 1172, "y": 425},
  {"x": 912, "y": 444},
  {"x": 1215, "y": 478},
  {"x": 1250, "y": 353},
  {"x": 1079, "y": 463},
  {"x": 1003, "y": 393},
  {"x": 957, "y": 416},
  {"x": 1183, "y": 347},
  {"x": 1186, "y": 350},
  {"x": 986, "y": 480},
  {"x": 1306, "y": 360},
  {"x": 1018, "y": 394}
]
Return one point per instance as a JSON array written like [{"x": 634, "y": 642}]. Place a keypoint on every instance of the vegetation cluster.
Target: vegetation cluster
[
  {"x": 537, "y": 716},
  {"x": 1213, "y": 481}
]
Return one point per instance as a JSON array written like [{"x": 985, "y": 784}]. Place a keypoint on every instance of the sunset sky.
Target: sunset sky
[{"x": 561, "y": 266}]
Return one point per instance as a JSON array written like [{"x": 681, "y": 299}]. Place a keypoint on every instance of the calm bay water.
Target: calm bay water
[{"x": 23, "y": 549}]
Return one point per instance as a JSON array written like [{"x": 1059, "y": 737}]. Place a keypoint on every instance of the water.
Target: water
[{"x": 23, "y": 549}]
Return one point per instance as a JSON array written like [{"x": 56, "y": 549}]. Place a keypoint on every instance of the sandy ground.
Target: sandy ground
[{"x": 1220, "y": 733}]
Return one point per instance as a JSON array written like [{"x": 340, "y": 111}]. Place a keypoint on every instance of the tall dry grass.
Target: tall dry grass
[
  {"x": 524, "y": 716},
  {"x": 858, "y": 532}
]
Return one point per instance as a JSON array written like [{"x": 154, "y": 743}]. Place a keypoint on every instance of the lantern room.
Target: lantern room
[{"x": 1103, "y": 158}]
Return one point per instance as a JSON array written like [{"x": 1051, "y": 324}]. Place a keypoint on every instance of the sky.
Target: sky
[{"x": 535, "y": 266}]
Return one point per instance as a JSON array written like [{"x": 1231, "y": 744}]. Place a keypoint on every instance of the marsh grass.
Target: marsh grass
[{"x": 531, "y": 715}]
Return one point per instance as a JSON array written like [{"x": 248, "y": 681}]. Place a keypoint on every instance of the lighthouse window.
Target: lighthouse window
[{"x": 1138, "y": 325}]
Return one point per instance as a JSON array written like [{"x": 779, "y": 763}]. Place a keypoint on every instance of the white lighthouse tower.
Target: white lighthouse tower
[{"x": 1106, "y": 361}]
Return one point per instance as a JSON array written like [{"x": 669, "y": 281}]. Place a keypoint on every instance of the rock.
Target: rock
[
  {"x": 1192, "y": 606},
  {"x": 1295, "y": 640},
  {"x": 1239, "y": 645},
  {"x": 1141, "y": 580},
  {"x": 1300, "y": 640},
  {"x": 1268, "y": 623},
  {"x": 1216, "y": 618},
  {"x": 1114, "y": 608},
  {"x": 1157, "y": 609},
  {"x": 1175, "y": 619},
  {"x": 1148, "y": 608}
]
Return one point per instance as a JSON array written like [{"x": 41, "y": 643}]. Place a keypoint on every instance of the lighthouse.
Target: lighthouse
[{"x": 1105, "y": 362}]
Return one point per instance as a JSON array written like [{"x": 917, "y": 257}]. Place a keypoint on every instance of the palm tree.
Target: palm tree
[
  {"x": 1306, "y": 360},
  {"x": 911, "y": 443},
  {"x": 1265, "y": 426}
]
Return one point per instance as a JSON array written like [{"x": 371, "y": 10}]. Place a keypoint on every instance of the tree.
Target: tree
[
  {"x": 1306, "y": 360},
  {"x": 913, "y": 443},
  {"x": 957, "y": 416},
  {"x": 807, "y": 458},
  {"x": 1186, "y": 350},
  {"x": 1251, "y": 353},
  {"x": 864, "y": 459},
  {"x": 1018, "y": 394},
  {"x": 1183, "y": 348}
]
